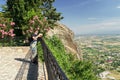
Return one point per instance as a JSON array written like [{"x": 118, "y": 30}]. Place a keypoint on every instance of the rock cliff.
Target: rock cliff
[{"x": 66, "y": 36}]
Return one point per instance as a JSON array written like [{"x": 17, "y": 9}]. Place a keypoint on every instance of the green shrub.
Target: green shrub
[
  {"x": 13, "y": 42},
  {"x": 74, "y": 69},
  {"x": 40, "y": 52}
]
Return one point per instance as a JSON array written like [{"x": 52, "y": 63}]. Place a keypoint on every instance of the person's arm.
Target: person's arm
[{"x": 39, "y": 35}]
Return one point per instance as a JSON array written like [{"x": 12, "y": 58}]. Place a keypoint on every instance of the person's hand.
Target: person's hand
[{"x": 40, "y": 35}]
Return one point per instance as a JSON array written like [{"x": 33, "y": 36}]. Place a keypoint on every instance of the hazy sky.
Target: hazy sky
[{"x": 89, "y": 16}]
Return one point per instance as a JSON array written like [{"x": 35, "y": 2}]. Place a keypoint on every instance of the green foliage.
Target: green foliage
[
  {"x": 99, "y": 70},
  {"x": 1, "y": 14},
  {"x": 23, "y": 10},
  {"x": 36, "y": 23},
  {"x": 17, "y": 11},
  {"x": 50, "y": 12},
  {"x": 116, "y": 64},
  {"x": 82, "y": 70},
  {"x": 13, "y": 42},
  {"x": 29, "y": 15},
  {"x": 4, "y": 7},
  {"x": 40, "y": 52},
  {"x": 6, "y": 28},
  {"x": 74, "y": 69}
]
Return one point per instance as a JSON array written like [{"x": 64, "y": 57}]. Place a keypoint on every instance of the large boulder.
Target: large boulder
[{"x": 66, "y": 36}]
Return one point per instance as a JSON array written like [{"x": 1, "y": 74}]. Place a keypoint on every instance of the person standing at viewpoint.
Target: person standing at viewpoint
[{"x": 33, "y": 45}]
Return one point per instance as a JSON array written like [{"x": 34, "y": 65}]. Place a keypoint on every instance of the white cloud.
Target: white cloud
[
  {"x": 103, "y": 26},
  {"x": 92, "y": 18},
  {"x": 118, "y": 7}
]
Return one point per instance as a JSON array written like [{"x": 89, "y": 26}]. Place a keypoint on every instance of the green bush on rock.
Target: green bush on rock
[{"x": 74, "y": 69}]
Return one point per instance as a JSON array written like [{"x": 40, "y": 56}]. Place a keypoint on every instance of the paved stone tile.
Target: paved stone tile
[{"x": 10, "y": 64}]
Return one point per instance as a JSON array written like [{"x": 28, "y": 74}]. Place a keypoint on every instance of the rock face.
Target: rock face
[{"x": 66, "y": 36}]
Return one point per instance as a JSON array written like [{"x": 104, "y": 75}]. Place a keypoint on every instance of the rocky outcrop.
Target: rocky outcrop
[{"x": 66, "y": 36}]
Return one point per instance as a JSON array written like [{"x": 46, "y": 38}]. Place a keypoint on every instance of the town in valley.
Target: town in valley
[{"x": 104, "y": 52}]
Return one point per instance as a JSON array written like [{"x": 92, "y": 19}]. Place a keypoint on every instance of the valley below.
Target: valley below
[{"x": 104, "y": 52}]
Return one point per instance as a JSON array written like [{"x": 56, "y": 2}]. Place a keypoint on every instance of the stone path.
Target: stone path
[{"x": 11, "y": 61}]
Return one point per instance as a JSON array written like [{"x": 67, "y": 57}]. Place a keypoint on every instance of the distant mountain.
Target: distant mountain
[{"x": 107, "y": 32}]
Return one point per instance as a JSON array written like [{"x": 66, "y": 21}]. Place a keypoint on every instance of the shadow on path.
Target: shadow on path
[
  {"x": 33, "y": 70},
  {"x": 23, "y": 60},
  {"x": 32, "y": 73}
]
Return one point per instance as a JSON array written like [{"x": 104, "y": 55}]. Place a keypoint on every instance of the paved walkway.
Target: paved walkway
[{"x": 12, "y": 60}]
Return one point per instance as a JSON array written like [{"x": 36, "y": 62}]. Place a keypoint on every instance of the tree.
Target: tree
[
  {"x": 17, "y": 12},
  {"x": 23, "y": 10},
  {"x": 50, "y": 12},
  {"x": 4, "y": 7}
]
